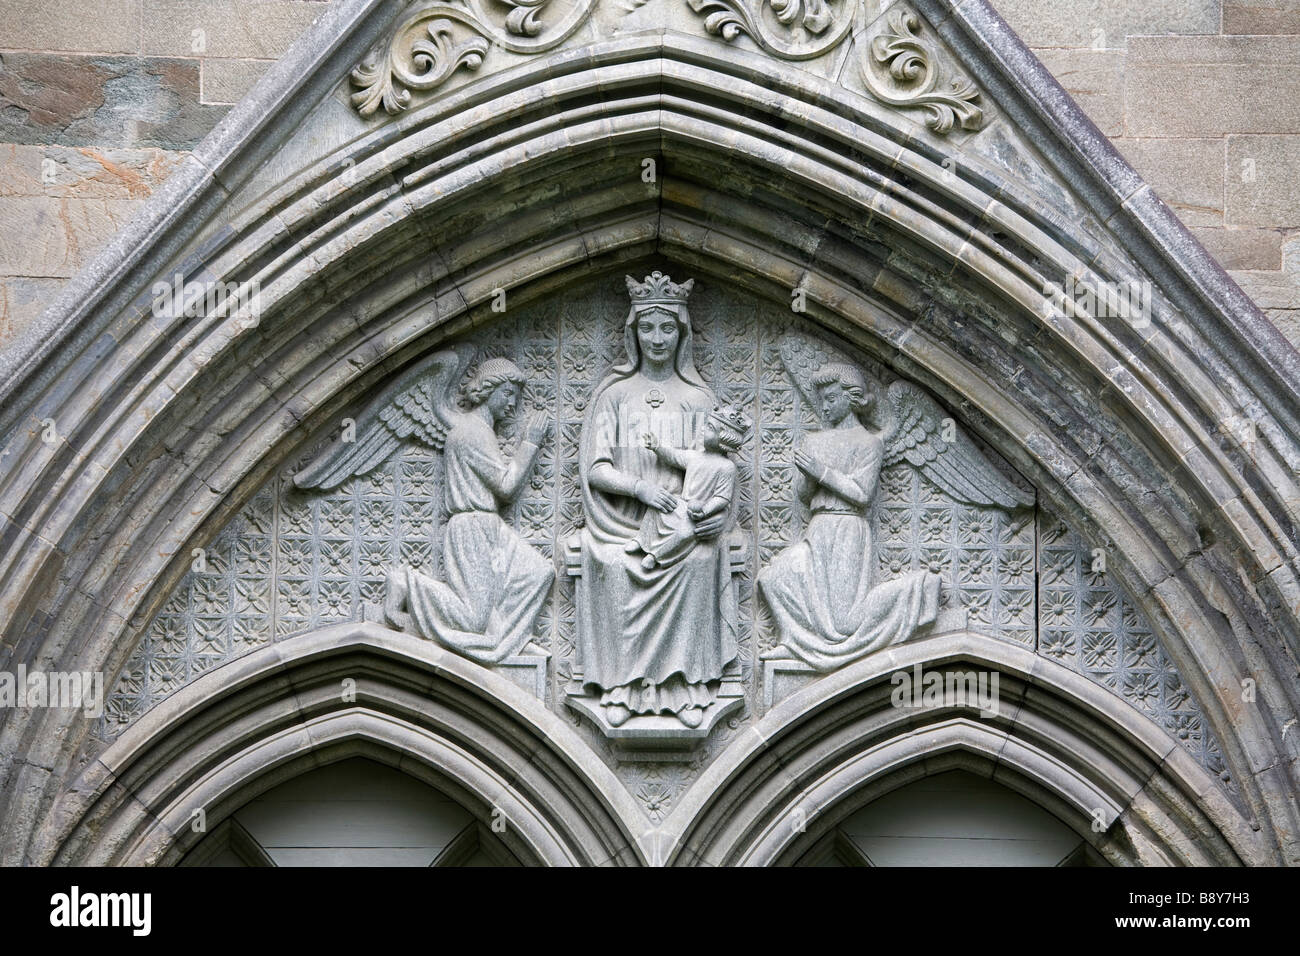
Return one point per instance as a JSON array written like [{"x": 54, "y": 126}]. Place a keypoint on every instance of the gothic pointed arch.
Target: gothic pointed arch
[
  {"x": 352, "y": 690},
  {"x": 385, "y": 208}
]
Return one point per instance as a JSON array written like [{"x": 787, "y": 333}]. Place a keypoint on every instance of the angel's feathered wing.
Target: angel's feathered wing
[
  {"x": 914, "y": 433},
  {"x": 418, "y": 406}
]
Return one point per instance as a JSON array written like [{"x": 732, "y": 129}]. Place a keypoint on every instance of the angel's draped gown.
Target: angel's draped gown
[
  {"x": 496, "y": 581},
  {"x": 651, "y": 640},
  {"x": 820, "y": 589}
]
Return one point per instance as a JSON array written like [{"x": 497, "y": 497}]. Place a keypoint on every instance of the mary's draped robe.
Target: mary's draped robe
[{"x": 652, "y": 640}]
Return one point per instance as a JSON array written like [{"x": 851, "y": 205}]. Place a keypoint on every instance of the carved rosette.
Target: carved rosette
[
  {"x": 902, "y": 66},
  {"x": 431, "y": 44},
  {"x": 790, "y": 29}
]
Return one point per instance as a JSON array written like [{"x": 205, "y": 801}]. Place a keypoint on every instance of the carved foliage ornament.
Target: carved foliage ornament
[
  {"x": 429, "y": 46},
  {"x": 902, "y": 68},
  {"x": 901, "y": 63},
  {"x": 790, "y": 29}
]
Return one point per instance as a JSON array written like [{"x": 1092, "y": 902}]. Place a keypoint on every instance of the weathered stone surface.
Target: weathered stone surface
[
  {"x": 225, "y": 28},
  {"x": 85, "y": 172},
  {"x": 75, "y": 100},
  {"x": 1261, "y": 16},
  {"x": 21, "y": 300},
  {"x": 1244, "y": 248},
  {"x": 1262, "y": 183},
  {"x": 105, "y": 26},
  {"x": 226, "y": 81},
  {"x": 1209, "y": 86},
  {"x": 1186, "y": 173},
  {"x": 47, "y": 236},
  {"x": 1095, "y": 78},
  {"x": 1105, "y": 24},
  {"x": 1276, "y": 290}
]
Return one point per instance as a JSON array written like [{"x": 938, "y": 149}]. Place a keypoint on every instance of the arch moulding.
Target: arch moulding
[{"x": 376, "y": 239}]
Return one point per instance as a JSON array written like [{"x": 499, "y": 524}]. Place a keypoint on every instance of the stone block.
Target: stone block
[
  {"x": 226, "y": 81},
  {"x": 84, "y": 172},
  {"x": 1211, "y": 86},
  {"x": 783, "y": 678},
  {"x": 76, "y": 100},
  {"x": 105, "y": 26},
  {"x": 1275, "y": 290},
  {"x": 1186, "y": 173},
  {"x": 1105, "y": 24},
  {"x": 1261, "y": 179},
  {"x": 1244, "y": 248},
  {"x": 21, "y": 301},
  {"x": 44, "y": 237},
  {"x": 224, "y": 28},
  {"x": 1096, "y": 81},
  {"x": 525, "y": 671},
  {"x": 1261, "y": 16}
]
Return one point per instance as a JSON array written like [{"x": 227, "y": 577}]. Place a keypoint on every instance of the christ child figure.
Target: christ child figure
[{"x": 708, "y": 487}]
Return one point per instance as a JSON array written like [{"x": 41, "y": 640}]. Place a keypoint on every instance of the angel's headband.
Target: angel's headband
[{"x": 658, "y": 289}]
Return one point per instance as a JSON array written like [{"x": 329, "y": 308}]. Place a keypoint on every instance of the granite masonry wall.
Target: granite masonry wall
[{"x": 100, "y": 100}]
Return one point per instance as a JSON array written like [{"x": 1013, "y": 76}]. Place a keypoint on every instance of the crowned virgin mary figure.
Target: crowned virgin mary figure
[{"x": 650, "y": 640}]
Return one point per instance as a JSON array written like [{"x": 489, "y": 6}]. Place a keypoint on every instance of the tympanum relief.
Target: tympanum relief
[
  {"x": 660, "y": 506},
  {"x": 496, "y": 582}
]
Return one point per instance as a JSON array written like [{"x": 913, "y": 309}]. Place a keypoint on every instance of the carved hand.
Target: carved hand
[
  {"x": 649, "y": 440},
  {"x": 710, "y": 527},
  {"x": 652, "y": 496},
  {"x": 538, "y": 427},
  {"x": 809, "y": 465}
]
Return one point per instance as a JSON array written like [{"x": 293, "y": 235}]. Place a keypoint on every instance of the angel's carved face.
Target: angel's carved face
[
  {"x": 657, "y": 334},
  {"x": 834, "y": 403},
  {"x": 501, "y": 403}
]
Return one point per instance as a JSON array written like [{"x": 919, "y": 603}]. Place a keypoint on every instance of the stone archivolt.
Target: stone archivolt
[{"x": 770, "y": 178}]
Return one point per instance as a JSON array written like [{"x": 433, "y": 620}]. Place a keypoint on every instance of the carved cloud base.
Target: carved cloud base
[{"x": 660, "y": 732}]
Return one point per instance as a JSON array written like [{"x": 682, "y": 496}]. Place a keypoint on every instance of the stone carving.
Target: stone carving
[
  {"x": 708, "y": 487},
  {"x": 296, "y": 560},
  {"x": 902, "y": 68},
  {"x": 900, "y": 65},
  {"x": 386, "y": 79},
  {"x": 1088, "y": 624},
  {"x": 496, "y": 583},
  {"x": 431, "y": 44},
  {"x": 654, "y": 634},
  {"x": 790, "y": 29},
  {"x": 828, "y": 606}
]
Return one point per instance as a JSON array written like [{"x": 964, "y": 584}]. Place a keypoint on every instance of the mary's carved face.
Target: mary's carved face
[{"x": 657, "y": 335}]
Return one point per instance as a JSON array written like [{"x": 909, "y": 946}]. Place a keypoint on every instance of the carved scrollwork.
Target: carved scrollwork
[
  {"x": 902, "y": 69},
  {"x": 427, "y": 63},
  {"x": 790, "y": 29},
  {"x": 430, "y": 45}
]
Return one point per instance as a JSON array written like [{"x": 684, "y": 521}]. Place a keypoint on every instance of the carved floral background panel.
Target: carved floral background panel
[
  {"x": 1088, "y": 624},
  {"x": 296, "y": 560}
]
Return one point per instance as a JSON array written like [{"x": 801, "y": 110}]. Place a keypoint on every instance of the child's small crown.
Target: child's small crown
[{"x": 734, "y": 418}]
